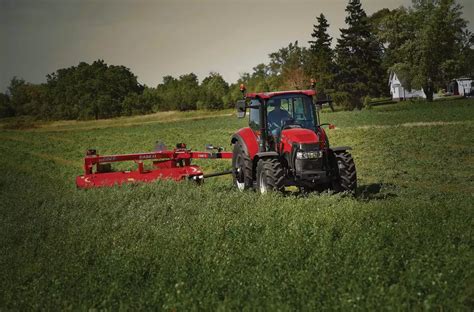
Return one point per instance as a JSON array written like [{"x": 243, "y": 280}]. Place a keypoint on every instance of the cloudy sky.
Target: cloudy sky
[{"x": 162, "y": 37}]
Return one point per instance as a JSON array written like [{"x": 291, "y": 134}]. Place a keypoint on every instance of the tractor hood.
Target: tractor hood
[{"x": 299, "y": 135}]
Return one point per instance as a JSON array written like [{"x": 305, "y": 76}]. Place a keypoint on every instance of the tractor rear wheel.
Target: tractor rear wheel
[
  {"x": 242, "y": 168},
  {"x": 347, "y": 177},
  {"x": 270, "y": 176}
]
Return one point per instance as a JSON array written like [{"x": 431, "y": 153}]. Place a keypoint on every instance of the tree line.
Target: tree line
[
  {"x": 427, "y": 45},
  {"x": 98, "y": 90}
]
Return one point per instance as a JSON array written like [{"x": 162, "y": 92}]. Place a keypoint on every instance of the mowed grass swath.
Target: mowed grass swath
[{"x": 404, "y": 242}]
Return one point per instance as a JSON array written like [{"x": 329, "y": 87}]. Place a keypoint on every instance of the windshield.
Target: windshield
[{"x": 290, "y": 110}]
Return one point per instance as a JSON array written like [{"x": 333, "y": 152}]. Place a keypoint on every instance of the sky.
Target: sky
[{"x": 162, "y": 37}]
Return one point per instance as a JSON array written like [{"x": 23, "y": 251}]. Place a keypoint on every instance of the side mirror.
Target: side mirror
[{"x": 241, "y": 107}]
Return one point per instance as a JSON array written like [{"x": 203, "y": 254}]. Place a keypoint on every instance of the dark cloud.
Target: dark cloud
[{"x": 156, "y": 38}]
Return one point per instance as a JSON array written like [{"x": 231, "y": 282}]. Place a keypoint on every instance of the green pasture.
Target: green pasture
[{"x": 405, "y": 242}]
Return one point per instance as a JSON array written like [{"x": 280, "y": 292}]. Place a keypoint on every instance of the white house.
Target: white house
[{"x": 399, "y": 93}]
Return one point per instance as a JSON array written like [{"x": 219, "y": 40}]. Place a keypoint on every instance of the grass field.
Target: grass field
[{"x": 405, "y": 242}]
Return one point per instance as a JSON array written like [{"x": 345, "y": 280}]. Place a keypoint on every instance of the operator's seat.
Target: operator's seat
[{"x": 277, "y": 116}]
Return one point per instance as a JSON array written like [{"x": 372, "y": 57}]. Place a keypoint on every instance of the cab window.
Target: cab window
[
  {"x": 300, "y": 108},
  {"x": 254, "y": 114}
]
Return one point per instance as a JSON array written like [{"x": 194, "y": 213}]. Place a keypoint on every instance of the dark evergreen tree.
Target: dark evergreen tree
[
  {"x": 322, "y": 40},
  {"x": 358, "y": 59},
  {"x": 321, "y": 57}
]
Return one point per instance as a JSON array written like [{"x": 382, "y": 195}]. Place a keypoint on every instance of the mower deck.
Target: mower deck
[{"x": 173, "y": 165}]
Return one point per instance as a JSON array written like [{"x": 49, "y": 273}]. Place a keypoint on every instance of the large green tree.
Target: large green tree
[
  {"x": 392, "y": 28},
  {"x": 189, "y": 92},
  {"x": 169, "y": 92},
  {"x": 213, "y": 91},
  {"x": 288, "y": 65},
  {"x": 144, "y": 103},
  {"x": 321, "y": 56},
  {"x": 90, "y": 90},
  {"x": 28, "y": 99},
  {"x": 438, "y": 48},
  {"x": 358, "y": 59},
  {"x": 181, "y": 94}
]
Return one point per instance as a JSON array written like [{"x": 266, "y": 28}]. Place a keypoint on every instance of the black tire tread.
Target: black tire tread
[
  {"x": 275, "y": 175},
  {"x": 347, "y": 180},
  {"x": 238, "y": 150}
]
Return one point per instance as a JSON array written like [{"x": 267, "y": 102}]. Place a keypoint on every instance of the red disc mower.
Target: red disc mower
[{"x": 166, "y": 164}]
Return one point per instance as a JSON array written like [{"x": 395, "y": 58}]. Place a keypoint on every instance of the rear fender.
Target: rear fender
[{"x": 248, "y": 140}]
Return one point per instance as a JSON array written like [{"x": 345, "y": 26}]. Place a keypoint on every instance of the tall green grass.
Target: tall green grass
[{"x": 404, "y": 242}]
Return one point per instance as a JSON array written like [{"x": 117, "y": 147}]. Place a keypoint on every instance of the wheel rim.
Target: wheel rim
[
  {"x": 262, "y": 183},
  {"x": 340, "y": 165},
  {"x": 239, "y": 175},
  {"x": 240, "y": 185}
]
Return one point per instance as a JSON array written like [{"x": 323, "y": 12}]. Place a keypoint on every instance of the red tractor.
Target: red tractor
[{"x": 285, "y": 145}]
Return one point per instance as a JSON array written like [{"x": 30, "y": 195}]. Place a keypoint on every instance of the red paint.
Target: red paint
[
  {"x": 250, "y": 140},
  {"x": 299, "y": 135},
  {"x": 174, "y": 165},
  {"x": 322, "y": 138},
  {"x": 267, "y": 95},
  {"x": 119, "y": 178}
]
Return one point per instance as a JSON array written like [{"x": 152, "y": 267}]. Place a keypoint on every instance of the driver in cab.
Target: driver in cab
[{"x": 277, "y": 117}]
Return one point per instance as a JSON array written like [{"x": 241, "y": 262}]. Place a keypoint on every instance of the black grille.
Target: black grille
[
  {"x": 302, "y": 165},
  {"x": 306, "y": 147}
]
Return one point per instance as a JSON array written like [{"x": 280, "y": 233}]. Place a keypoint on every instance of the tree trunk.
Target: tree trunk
[{"x": 428, "y": 89}]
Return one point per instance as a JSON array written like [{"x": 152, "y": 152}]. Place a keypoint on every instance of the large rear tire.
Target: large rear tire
[
  {"x": 347, "y": 177},
  {"x": 270, "y": 176},
  {"x": 242, "y": 168}
]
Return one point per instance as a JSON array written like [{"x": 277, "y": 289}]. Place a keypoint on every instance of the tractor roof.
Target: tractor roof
[{"x": 267, "y": 95}]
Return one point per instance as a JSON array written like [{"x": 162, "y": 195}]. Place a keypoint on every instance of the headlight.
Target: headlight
[{"x": 309, "y": 155}]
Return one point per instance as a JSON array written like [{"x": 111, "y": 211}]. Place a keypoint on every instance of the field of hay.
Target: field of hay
[{"x": 404, "y": 242}]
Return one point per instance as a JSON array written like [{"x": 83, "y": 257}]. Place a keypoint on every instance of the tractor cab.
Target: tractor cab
[
  {"x": 284, "y": 112},
  {"x": 277, "y": 115},
  {"x": 286, "y": 145}
]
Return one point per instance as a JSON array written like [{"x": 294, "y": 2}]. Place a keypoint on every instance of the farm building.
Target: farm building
[
  {"x": 461, "y": 86},
  {"x": 400, "y": 93}
]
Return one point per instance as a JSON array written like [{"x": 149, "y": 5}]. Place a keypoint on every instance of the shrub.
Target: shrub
[
  {"x": 346, "y": 101},
  {"x": 6, "y": 110}
]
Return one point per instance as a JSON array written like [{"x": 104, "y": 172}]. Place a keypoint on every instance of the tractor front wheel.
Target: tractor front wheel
[
  {"x": 270, "y": 176},
  {"x": 346, "y": 173}
]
